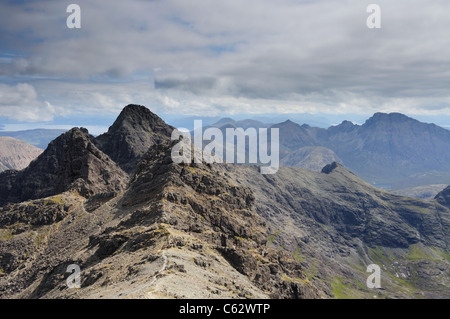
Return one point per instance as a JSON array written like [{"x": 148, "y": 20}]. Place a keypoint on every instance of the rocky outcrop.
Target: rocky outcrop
[
  {"x": 71, "y": 162},
  {"x": 444, "y": 197},
  {"x": 132, "y": 134},
  {"x": 327, "y": 169}
]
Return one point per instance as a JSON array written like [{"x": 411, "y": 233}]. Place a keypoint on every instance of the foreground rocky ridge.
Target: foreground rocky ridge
[
  {"x": 178, "y": 231},
  {"x": 208, "y": 230}
]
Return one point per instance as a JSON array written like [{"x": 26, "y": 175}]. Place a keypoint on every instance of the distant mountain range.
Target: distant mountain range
[
  {"x": 141, "y": 226},
  {"x": 389, "y": 150}
]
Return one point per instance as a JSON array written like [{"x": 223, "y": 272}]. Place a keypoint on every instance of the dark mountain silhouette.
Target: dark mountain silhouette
[
  {"x": 390, "y": 147},
  {"x": 134, "y": 131}
]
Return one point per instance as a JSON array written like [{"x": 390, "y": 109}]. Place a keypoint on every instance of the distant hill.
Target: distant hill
[
  {"x": 427, "y": 192},
  {"x": 16, "y": 154},
  {"x": 37, "y": 137},
  {"x": 391, "y": 151},
  {"x": 313, "y": 158},
  {"x": 228, "y": 122}
]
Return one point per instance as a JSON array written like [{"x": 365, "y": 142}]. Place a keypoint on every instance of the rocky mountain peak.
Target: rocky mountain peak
[
  {"x": 133, "y": 132},
  {"x": 289, "y": 123},
  {"x": 70, "y": 162},
  {"x": 137, "y": 117},
  {"x": 388, "y": 119}
]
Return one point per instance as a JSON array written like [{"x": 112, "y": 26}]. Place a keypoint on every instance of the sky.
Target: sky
[{"x": 221, "y": 58}]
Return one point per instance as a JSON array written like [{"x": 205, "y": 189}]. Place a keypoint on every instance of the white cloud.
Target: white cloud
[{"x": 21, "y": 102}]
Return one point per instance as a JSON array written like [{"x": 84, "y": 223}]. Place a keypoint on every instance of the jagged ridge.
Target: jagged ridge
[
  {"x": 71, "y": 162},
  {"x": 135, "y": 130}
]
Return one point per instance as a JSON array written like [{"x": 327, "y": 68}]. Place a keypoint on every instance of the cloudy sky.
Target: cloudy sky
[{"x": 221, "y": 58}]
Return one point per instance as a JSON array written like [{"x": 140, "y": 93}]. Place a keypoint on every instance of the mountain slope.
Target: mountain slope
[
  {"x": 338, "y": 224},
  {"x": 15, "y": 154},
  {"x": 294, "y": 136},
  {"x": 310, "y": 157},
  {"x": 70, "y": 162},
  {"x": 133, "y": 132},
  {"x": 178, "y": 231},
  {"x": 444, "y": 197}
]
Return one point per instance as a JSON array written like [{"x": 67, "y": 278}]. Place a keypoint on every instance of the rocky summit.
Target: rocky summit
[
  {"x": 70, "y": 162},
  {"x": 134, "y": 131},
  {"x": 198, "y": 230}
]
